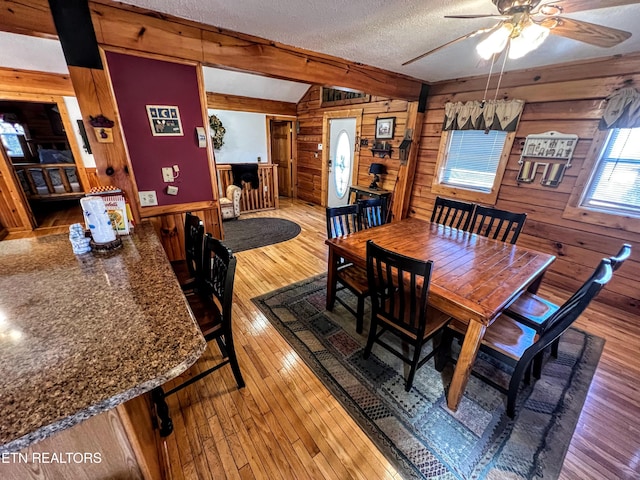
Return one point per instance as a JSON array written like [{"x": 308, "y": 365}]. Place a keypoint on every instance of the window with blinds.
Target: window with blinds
[
  {"x": 615, "y": 183},
  {"x": 472, "y": 159}
]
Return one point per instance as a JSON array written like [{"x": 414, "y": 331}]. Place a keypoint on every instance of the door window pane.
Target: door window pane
[{"x": 343, "y": 164}]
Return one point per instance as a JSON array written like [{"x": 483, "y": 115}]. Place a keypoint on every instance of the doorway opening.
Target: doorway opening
[
  {"x": 39, "y": 153},
  {"x": 282, "y": 147}
]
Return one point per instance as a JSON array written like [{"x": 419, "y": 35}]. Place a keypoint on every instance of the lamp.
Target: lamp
[
  {"x": 376, "y": 169},
  {"x": 522, "y": 37}
]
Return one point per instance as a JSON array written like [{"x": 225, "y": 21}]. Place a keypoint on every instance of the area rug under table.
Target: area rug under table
[{"x": 415, "y": 430}]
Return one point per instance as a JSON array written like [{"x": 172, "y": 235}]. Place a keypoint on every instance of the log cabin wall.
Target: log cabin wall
[
  {"x": 566, "y": 99},
  {"x": 310, "y": 117}
]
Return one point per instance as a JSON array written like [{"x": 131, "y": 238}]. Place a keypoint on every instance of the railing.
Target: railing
[
  {"x": 52, "y": 180},
  {"x": 265, "y": 197}
]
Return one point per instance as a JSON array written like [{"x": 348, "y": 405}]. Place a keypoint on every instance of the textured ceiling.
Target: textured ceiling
[{"x": 387, "y": 33}]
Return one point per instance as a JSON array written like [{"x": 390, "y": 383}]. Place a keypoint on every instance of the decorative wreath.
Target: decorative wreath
[{"x": 217, "y": 131}]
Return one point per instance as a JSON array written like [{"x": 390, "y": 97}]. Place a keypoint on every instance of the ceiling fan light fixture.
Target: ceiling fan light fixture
[
  {"x": 495, "y": 42},
  {"x": 530, "y": 38}
]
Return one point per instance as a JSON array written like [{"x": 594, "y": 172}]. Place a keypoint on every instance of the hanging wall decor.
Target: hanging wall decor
[
  {"x": 164, "y": 120},
  {"x": 217, "y": 132},
  {"x": 549, "y": 151}
]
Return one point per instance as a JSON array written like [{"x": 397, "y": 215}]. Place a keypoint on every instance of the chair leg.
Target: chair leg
[
  {"x": 414, "y": 366},
  {"x": 514, "y": 384},
  {"x": 444, "y": 349},
  {"x": 554, "y": 347},
  {"x": 371, "y": 338},
  {"x": 360, "y": 314},
  {"x": 537, "y": 365},
  {"x": 233, "y": 360}
]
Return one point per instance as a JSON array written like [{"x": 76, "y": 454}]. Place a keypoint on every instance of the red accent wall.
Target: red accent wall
[{"x": 138, "y": 82}]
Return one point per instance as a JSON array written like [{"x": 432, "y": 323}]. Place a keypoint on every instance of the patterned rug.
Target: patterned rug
[{"x": 415, "y": 430}]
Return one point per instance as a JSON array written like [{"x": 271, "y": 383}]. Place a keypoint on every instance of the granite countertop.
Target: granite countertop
[{"x": 81, "y": 334}]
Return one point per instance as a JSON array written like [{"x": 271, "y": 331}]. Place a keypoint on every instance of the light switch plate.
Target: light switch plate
[
  {"x": 167, "y": 174},
  {"x": 148, "y": 198}
]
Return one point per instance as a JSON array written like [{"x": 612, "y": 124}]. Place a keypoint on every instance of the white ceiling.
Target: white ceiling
[
  {"x": 386, "y": 33},
  {"x": 374, "y": 32}
]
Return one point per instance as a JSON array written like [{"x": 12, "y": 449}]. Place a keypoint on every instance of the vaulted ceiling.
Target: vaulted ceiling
[{"x": 386, "y": 33}]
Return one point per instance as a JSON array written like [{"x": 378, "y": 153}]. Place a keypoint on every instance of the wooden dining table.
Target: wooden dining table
[{"x": 473, "y": 278}]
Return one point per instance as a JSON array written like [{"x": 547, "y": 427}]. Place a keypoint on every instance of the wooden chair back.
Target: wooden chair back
[
  {"x": 399, "y": 288},
  {"x": 343, "y": 220},
  {"x": 620, "y": 257},
  {"x": 193, "y": 238},
  {"x": 452, "y": 213},
  {"x": 372, "y": 212},
  {"x": 218, "y": 277},
  {"x": 497, "y": 224},
  {"x": 562, "y": 319}
]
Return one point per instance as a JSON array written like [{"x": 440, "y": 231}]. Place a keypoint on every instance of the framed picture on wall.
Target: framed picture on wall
[
  {"x": 385, "y": 127},
  {"x": 164, "y": 120}
]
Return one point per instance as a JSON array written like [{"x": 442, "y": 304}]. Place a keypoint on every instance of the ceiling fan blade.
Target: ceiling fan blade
[
  {"x": 490, "y": 15},
  {"x": 572, "y": 6},
  {"x": 468, "y": 35},
  {"x": 586, "y": 32}
]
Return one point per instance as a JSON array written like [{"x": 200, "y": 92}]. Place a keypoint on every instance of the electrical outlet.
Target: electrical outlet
[
  {"x": 167, "y": 174},
  {"x": 172, "y": 190},
  {"x": 148, "y": 198}
]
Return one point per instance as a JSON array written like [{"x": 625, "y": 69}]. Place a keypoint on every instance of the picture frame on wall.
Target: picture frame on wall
[
  {"x": 385, "y": 127},
  {"x": 164, "y": 120}
]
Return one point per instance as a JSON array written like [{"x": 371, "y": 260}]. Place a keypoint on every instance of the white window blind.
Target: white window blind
[
  {"x": 472, "y": 159},
  {"x": 615, "y": 184}
]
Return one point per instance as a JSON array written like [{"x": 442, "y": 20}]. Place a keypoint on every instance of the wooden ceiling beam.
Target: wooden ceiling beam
[
  {"x": 223, "y": 101},
  {"x": 27, "y": 81},
  {"x": 151, "y": 32},
  {"x": 27, "y": 17}
]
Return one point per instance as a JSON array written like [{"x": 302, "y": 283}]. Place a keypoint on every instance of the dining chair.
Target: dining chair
[
  {"x": 399, "y": 287},
  {"x": 373, "y": 212},
  {"x": 535, "y": 311},
  {"x": 497, "y": 224},
  {"x": 212, "y": 307},
  {"x": 189, "y": 270},
  {"x": 452, "y": 213},
  {"x": 518, "y": 345},
  {"x": 343, "y": 221}
]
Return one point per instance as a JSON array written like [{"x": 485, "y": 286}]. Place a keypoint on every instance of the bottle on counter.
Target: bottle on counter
[{"x": 79, "y": 242}]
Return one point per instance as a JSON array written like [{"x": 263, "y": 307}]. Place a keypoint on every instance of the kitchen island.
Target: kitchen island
[{"x": 82, "y": 334}]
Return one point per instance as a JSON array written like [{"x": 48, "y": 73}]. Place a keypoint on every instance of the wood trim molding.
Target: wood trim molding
[
  {"x": 471, "y": 195},
  {"x": 147, "y": 212},
  {"x": 406, "y": 171},
  {"x": 221, "y": 101},
  {"x": 31, "y": 82},
  {"x": 573, "y": 210}
]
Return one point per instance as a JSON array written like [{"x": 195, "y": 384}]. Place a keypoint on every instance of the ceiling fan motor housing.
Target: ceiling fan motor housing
[{"x": 509, "y": 7}]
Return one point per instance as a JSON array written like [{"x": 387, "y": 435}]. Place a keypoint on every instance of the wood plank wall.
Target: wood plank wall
[
  {"x": 310, "y": 116},
  {"x": 569, "y": 100}
]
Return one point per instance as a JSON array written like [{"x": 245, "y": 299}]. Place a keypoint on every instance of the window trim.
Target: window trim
[
  {"x": 488, "y": 198},
  {"x": 580, "y": 213}
]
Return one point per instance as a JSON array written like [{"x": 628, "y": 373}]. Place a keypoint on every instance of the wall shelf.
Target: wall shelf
[{"x": 381, "y": 152}]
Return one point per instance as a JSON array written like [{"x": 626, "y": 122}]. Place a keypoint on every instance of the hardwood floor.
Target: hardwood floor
[{"x": 285, "y": 424}]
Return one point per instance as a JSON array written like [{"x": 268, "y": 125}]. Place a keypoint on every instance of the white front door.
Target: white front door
[{"x": 342, "y": 137}]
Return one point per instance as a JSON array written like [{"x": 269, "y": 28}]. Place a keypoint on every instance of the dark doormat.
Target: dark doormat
[
  {"x": 415, "y": 429},
  {"x": 251, "y": 233}
]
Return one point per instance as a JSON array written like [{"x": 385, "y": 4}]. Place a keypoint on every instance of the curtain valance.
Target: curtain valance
[
  {"x": 486, "y": 115},
  {"x": 622, "y": 110}
]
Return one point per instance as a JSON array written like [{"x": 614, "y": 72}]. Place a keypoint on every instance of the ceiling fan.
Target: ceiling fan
[{"x": 524, "y": 24}]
